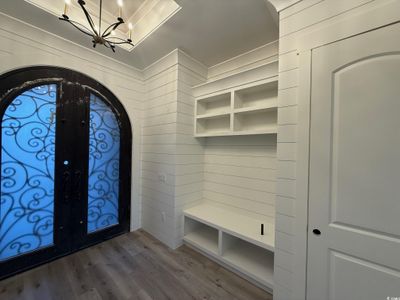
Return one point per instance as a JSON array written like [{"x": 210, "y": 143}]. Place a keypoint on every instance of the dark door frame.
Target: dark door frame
[{"x": 75, "y": 87}]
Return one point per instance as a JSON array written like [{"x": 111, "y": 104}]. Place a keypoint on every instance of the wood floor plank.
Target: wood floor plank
[{"x": 134, "y": 266}]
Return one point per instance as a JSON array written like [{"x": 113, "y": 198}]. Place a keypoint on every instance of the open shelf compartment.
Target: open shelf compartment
[
  {"x": 214, "y": 125},
  {"x": 257, "y": 97},
  {"x": 214, "y": 104},
  {"x": 201, "y": 236},
  {"x": 256, "y": 122},
  {"x": 251, "y": 260}
]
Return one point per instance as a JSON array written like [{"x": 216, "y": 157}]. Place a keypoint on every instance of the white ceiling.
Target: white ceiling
[
  {"x": 209, "y": 30},
  {"x": 130, "y": 6}
]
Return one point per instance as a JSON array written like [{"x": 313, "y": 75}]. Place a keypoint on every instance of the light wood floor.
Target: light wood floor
[{"x": 131, "y": 266}]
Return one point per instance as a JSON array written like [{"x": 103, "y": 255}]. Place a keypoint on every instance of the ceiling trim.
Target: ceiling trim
[{"x": 282, "y": 4}]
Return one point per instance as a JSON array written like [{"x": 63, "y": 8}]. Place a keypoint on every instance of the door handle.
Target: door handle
[{"x": 316, "y": 231}]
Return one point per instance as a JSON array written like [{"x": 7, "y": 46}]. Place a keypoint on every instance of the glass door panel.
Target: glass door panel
[
  {"x": 28, "y": 133},
  {"x": 104, "y": 168}
]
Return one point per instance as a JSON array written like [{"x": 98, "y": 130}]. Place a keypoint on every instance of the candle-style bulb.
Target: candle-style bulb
[
  {"x": 67, "y": 4},
  {"x": 130, "y": 30},
  {"x": 120, "y": 4}
]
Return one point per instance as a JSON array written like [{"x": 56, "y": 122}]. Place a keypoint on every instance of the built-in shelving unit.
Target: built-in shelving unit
[
  {"x": 227, "y": 225},
  {"x": 241, "y": 110},
  {"x": 234, "y": 240}
]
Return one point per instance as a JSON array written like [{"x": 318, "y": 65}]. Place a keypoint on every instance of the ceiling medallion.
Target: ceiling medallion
[{"x": 106, "y": 37}]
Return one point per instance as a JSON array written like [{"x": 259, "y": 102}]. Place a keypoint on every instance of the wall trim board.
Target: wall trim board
[
  {"x": 302, "y": 174},
  {"x": 245, "y": 61},
  {"x": 175, "y": 57},
  {"x": 294, "y": 9},
  {"x": 259, "y": 73}
]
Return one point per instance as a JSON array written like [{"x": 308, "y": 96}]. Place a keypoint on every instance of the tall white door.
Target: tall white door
[{"x": 354, "y": 204}]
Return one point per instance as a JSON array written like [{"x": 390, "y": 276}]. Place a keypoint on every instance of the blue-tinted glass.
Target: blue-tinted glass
[
  {"x": 104, "y": 148},
  {"x": 27, "y": 172}
]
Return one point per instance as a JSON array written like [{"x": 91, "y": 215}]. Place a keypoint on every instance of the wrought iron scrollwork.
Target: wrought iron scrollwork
[
  {"x": 104, "y": 151},
  {"x": 27, "y": 172}
]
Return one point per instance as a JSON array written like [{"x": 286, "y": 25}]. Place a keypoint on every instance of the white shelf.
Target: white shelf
[
  {"x": 201, "y": 236},
  {"x": 261, "y": 95},
  {"x": 271, "y": 106},
  {"x": 251, "y": 260},
  {"x": 205, "y": 239},
  {"x": 220, "y": 103},
  {"x": 245, "y": 110},
  {"x": 235, "y": 224},
  {"x": 213, "y": 115},
  {"x": 213, "y": 125}
]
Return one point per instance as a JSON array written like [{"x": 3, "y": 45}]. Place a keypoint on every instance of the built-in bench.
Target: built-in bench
[{"x": 234, "y": 240}]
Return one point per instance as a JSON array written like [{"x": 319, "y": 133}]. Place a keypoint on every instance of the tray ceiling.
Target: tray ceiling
[{"x": 210, "y": 31}]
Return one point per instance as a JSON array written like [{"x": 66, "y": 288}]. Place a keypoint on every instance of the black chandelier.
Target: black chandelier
[{"x": 106, "y": 37}]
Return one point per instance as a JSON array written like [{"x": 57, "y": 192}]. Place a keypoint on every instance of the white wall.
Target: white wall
[
  {"x": 22, "y": 45},
  {"x": 171, "y": 156},
  {"x": 305, "y": 26},
  {"x": 240, "y": 174}
]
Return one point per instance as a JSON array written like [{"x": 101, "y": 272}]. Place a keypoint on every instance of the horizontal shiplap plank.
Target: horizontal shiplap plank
[
  {"x": 288, "y": 97},
  {"x": 247, "y": 172},
  {"x": 284, "y": 241},
  {"x": 288, "y": 79},
  {"x": 284, "y": 277},
  {"x": 285, "y": 206},
  {"x": 288, "y": 61},
  {"x": 288, "y": 115},
  {"x": 262, "y": 197},
  {"x": 286, "y": 169},
  {"x": 287, "y": 134},
  {"x": 249, "y": 183},
  {"x": 287, "y": 151},
  {"x": 284, "y": 224},
  {"x": 265, "y": 209},
  {"x": 316, "y": 14},
  {"x": 298, "y": 7}
]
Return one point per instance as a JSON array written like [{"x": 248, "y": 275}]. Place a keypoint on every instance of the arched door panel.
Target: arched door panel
[{"x": 65, "y": 166}]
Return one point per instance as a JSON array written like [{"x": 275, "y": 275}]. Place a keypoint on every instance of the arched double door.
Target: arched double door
[{"x": 65, "y": 166}]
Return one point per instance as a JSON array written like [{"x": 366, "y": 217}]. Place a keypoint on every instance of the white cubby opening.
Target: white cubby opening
[
  {"x": 213, "y": 125},
  {"x": 214, "y": 105},
  {"x": 261, "y": 96},
  {"x": 249, "y": 259},
  {"x": 201, "y": 236},
  {"x": 258, "y": 121}
]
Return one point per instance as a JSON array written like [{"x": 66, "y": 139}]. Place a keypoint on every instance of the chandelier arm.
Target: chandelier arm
[
  {"x": 85, "y": 28},
  {"x": 77, "y": 27},
  {"x": 88, "y": 17},
  {"x": 110, "y": 46},
  {"x": 110, "y": 28}
]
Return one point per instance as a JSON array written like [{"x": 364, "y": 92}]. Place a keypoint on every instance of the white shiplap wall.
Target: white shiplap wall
[
  {"x": 23, "y": 45},
  {"x": 303, "y": 27},
  {"x": 171, "y": 157},
  {"x": 240, "y": 171},
  {"x": 240, "y": 174},
  {"x": 189, "y": 151}
]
